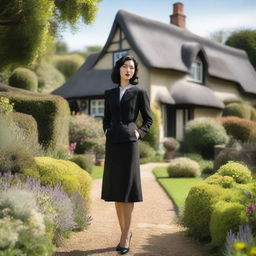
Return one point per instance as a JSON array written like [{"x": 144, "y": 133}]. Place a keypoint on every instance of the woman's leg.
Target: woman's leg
[
  {"x": 127, "y": 211},
  {"x": 120, "y": 215}
]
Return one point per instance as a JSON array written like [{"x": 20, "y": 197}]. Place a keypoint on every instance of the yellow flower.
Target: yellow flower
[{"x": 239, "y": 246}]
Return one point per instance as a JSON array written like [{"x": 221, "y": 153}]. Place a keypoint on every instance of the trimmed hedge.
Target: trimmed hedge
[
  {"x": 51, "y": 112},
  {"x": 199, "y": 205},
  {"x": 24, "y": 78},
  {"x": 183, "y": 167},
  {"x": 146, "y": 150},
  {"x": 84, "y": 161},
  {"x": 225, "y": 216},
  {"x": 72, "y": 178},
  {"x": 201, "y": 135},
  {"x": 239, "y": 172},
  {"x": 223, "y": 181},
  {"x": 238, "y": 128}
]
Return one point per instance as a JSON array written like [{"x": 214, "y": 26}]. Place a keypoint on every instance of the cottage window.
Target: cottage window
[
  {"x": 118, "y": 55},
  {"x": 196, "y": 71},
  {"x": 97, "y": 108}
]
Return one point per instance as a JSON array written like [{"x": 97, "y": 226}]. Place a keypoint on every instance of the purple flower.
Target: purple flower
[{"x": 250, "y": 208}]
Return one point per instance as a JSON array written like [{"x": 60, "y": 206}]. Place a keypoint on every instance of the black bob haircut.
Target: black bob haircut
[{"x": 115, "y": 76}]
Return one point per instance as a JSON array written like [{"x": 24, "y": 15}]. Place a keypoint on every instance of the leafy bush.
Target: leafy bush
[
  {"x": 240, "y": 110},
  {"x": 223, "y": 181},
  {"x": 146, "y": 151},
  {"x": 206, "y": 166},
  {"x": 5, "y": 105},
  {"x": 68, "y": 64},
  {"x": 87, "y": 132},
  {"x": 70, "y": 175},
  {"x": 24, "y": 78},
  {"x": 49, "y": 78},
  {"x": 239, "y": 172},
  {"x": 225, "y": 216},
  {"x": 199, "y": 205},
  {"x": 183, "y": 167},
  {"x": 238, "y": 128},
  {"x": 22, "y": 226},
  {"x": 84, "y": 161},
  {"x": 201, "y": 135},
  {"x": 15, "y": 160}
]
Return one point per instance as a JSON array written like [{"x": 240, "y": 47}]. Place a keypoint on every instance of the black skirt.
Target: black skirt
[{"x": 121, "y": 178}]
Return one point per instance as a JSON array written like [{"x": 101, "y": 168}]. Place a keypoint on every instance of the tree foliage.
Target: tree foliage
[
  {"x": 246, "y": 40},
  {"x": 28, "y": 27}
]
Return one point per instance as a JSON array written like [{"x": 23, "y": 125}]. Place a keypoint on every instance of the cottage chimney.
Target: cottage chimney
[{"x": 178, "y": 18}]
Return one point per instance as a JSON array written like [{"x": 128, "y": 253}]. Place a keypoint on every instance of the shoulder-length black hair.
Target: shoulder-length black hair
[{"x": 115, "y": 76}]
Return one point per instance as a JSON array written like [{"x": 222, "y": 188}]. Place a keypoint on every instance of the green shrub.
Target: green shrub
[
  {"x": 146, "y": 151},
  {"x": 223, "y": 181},
  {"x": 198, "y": 208},
  {"x": 238, "y": 128},
  {"x": 24, "y": 78},
  {"x": 68, "y": 64},
  {"x": 49, "y": 78},
  {"x": 183, "y": 167},
  {"x": 206, "y": 166},
  {"x": 152, "y": 137},
  {"x": 23, "y": 230},
  {"x": 15, "y": 160},
  {"x": 51, "y": 113},
  {"x": 201, "y": 135},
  {"x": 239, "y": 110},
  {"x": 239, "y": 172},
  {"x": 70, "y": 175},
  {"x": 84, "y": 161},
  {"x": 225, "y": 216},
  {"x": 87, "y": 132}
]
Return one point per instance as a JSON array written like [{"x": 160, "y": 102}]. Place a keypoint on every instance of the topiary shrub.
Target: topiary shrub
[
  {"x": 225, "y": 216},
  {"x": 238, "y": 128},
  {"x": 223, "y": 181},
  {"x": 68, "y": 64},
  {"x": 199, "y": 205},
  {"x": 84, "y": 161},
  {"x": 240, "y": 110},
  {"x": 183, "y": 167},
  {"x": 51, "y": 113},
  {"x": 239, "y": 172},
  {"x": 70, "y": 175},
  {"x": 24, "y": 78},
  {"x": 146, "y": 151},
  {"x": 201, "y": 135}
]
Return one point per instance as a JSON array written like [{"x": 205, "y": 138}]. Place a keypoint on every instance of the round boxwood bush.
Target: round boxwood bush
[
  {"x": 240, "y": 110},
  {"x": 183, "y": 167},
  {"x": 239, "y": 172},
  {"x": 84, "y": 161},
  {"x": 223, "y": 181},
  {"x": 199, "y": 206},
  {"x": 201, "y": 135},
  {"x": 146, "y": 150},
  {"x": 24, "y": 78}
]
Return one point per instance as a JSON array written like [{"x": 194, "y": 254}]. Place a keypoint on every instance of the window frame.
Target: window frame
[
  {"x": 198, "y": 70},
  {"x": 96, "y": 107}
]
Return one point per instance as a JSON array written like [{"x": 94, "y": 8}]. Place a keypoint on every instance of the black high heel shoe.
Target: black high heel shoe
[
  {"x": 124, "y": 250},
  {"x": 118, "y": 247}
]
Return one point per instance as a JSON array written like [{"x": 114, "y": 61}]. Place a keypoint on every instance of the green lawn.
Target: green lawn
[
  {"x": 176, "y": 188},
  {"x": 97, "y": 172}
]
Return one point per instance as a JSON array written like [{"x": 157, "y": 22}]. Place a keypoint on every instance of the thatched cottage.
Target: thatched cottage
[{"x": 186, "y": 75}]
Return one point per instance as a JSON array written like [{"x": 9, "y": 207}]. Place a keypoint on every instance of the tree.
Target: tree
[
  {"x": 28, "y": 27},
  {"x": 219, "y": 36},
  {"x": 245, "y": 40}
]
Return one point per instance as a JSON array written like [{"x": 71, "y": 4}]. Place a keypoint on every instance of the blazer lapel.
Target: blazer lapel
[{"x": 127, "y": 94}]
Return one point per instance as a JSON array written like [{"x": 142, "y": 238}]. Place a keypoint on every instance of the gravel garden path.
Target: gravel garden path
[{"x": 155, "y": 228}]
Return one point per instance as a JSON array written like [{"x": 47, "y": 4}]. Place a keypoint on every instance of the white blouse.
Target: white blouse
[{"x": 123, "y": 89}]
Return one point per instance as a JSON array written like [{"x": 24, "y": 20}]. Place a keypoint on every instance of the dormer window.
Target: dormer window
[
  {"x": 118, "y": 55},
  {"x": 196, "y": 71}
]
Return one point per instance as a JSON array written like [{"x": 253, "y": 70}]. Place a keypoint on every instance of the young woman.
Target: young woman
[{"x": 121, "y": 179}]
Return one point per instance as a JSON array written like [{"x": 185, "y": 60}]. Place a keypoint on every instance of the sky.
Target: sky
[{"x": 202, "y": 18}]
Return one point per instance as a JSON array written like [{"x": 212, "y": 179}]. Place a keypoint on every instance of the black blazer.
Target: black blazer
[{"x": 120, "y": 117}]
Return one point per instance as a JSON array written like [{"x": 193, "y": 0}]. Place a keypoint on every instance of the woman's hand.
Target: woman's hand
[{"x": 137, "y": 134}]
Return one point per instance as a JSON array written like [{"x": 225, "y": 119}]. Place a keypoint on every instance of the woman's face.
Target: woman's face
[{"x": 127, "y": 70}]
